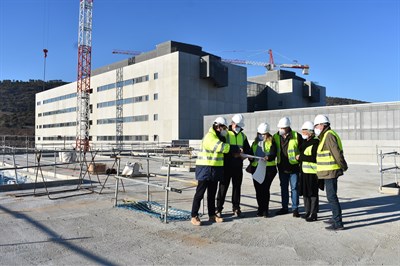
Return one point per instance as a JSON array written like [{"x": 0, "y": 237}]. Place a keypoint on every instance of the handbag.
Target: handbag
[{"x": 250, "y": 169}]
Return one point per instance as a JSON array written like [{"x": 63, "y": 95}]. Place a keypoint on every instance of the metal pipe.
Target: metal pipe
[
  {"x": 148, "y": 177},
  {"x": 167, "y": 192}
]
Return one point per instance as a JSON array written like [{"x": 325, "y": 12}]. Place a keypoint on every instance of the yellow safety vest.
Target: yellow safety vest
[
  {"x": 309, "y": 167},
  {"x": 233, "y": 139},
  {"x": 325, "y": 160},
  {"x": 266, "y": 149},
  {"x": 293, "y": 148},
  {"x": 212, "y": 150}
]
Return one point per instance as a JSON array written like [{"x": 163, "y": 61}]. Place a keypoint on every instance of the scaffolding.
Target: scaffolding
[{"x": 387, "y": 167}]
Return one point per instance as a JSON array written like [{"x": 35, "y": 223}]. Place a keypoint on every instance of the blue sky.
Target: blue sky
[{"x": 352, "y": 46}]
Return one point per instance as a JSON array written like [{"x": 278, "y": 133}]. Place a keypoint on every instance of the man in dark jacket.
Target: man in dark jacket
[
  {"x": 288, "y": 142},
  {"x": 233, "y": 166}
]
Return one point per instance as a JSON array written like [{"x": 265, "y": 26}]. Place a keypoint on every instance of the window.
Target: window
[
  {"x": 155, "y": 117},
  {"x": 156, "y": 75},
  {"x": 155, "y": 96}
]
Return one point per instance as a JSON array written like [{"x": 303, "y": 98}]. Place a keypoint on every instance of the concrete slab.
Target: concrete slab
[{"x": 88, "y": 230}]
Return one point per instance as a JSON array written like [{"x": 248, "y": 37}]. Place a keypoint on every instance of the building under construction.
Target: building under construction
[{"x": 165, "y": 94}]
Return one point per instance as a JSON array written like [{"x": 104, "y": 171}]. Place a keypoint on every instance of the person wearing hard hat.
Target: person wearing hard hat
[
  {"x": 210, "y": 169},
  {"x": 330, "y": 165},
  {"x": 233, "y": 166},
  {"x": 308, "y": 180},
  {"x": 264, "y": 146},
  {"x": 288, "y": 142}
]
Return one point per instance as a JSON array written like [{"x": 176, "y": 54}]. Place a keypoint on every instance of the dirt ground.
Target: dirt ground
[{"x": 86, "y": 229}]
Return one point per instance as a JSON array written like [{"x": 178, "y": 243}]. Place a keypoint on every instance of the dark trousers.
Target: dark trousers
[
  {"x": 237, "y": 178},
  {"x": 202, "y": 186},
  {"x": 311, "y": 205},
  {"x": 262, "y": 191},
  {"x": 331, "y": 194}
]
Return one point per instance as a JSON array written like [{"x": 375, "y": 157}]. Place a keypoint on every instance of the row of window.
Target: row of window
[
  {"x": 56, "y": 112},
  {"x": 67, "y": 124},
  {"x": 125, "y": 138},
  {"x": 105, "y": 121},
  {"x": 123, "y": 83},
  {"x": 137, "y": 99},
  {"x": 59, "y": 138},
  {"x": 99, "y": 138},
  {"x": 138, "y": 118},
  {"x": 101, "y": 88},
  {"x": 59, "y": 98}
]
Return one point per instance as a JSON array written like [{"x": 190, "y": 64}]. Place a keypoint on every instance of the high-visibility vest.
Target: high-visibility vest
[
  {"x": 233, "y": 139},
  {"x": 309, "y": 167},
  {"x": 325, "y": 160},
  {"x": 265, "y": 148},
  {"x": 293, "y": 148},
  {"x": 212, "y": 150}
]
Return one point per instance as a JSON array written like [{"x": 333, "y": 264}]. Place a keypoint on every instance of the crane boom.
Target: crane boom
[
  {"x": 128, "y": 52},
  {"x": 269, "y": 66}
]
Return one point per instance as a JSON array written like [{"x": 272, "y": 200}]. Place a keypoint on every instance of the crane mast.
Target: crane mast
[{"x": 84, "y": 72}]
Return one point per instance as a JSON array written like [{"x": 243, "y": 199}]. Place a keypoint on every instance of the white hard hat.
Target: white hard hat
[
  {"x": 263, "y": 128},
  {"x": 238, "y": 119},
  {"x": 321, "y": 119},
  {"x": 308, "y": 125},
  {"x": 284, "y": 122},
  {"x": 220, "y": 121}
]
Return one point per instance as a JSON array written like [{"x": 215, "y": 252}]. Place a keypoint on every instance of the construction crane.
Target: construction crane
[
  {"x": 270, "y": 65},
  {"x": 84, "y": 73},
  {"x": 119, "y": 98}
]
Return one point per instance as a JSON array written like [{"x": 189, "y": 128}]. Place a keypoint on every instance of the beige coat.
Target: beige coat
[{"x": 332, "y": 145}]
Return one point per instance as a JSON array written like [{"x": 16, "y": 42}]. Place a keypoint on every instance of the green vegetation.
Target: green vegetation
[
  {"x": 341, "y": 101},
  {"x": 17, "y": 108}
]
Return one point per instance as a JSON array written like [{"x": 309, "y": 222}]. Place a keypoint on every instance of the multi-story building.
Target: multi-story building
[
  {"x": 165, "y": 94},
  {"x": 281, "y": 89}
]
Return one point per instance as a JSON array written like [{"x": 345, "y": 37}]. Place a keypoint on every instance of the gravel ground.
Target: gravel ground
[{"x": 86, "y": 229}]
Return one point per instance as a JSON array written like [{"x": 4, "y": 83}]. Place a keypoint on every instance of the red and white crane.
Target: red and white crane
[
  {"x": 270, "y": 65},
  {"x": 84, "y": 73}
]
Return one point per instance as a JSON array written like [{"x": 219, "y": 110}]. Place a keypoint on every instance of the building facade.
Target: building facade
[
  {"x": 165, "y": 94},
  {"x": 281, "y": 89},
  {"x": 364, "y": 128}
]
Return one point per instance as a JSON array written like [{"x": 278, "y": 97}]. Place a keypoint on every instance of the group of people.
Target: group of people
[{"x": 306, "y": 161}]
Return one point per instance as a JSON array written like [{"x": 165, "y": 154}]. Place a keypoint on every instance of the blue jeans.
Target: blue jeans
[
  {"x": 331, "y": 195},
  {"x": 293, "y": 179}
]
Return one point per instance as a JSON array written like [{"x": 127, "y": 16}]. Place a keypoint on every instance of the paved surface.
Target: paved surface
[{"x": 88, "y": 230}]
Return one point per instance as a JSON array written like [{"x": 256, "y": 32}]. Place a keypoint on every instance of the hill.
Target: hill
[
  {"x": 341, "y": 101},
  {"x": 17, "y": 108}
]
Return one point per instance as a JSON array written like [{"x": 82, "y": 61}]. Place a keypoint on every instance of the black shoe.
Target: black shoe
[
  {"x": 266, "y": 214},
  {"x": 334, "y": 227},
  {"x": 306, "y": 215},
  {"x": 296, "y": 213},
  {"x": 329, "y": 221},
  {"x": 259, "y": 214},
  {"x": 282, "y": 211},
  {"x": 312, "y": 218}
]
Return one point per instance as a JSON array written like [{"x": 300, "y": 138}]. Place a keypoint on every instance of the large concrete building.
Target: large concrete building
[
  {"x": 166, "y": 93},
  {"x": 281, "y": 89}
]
